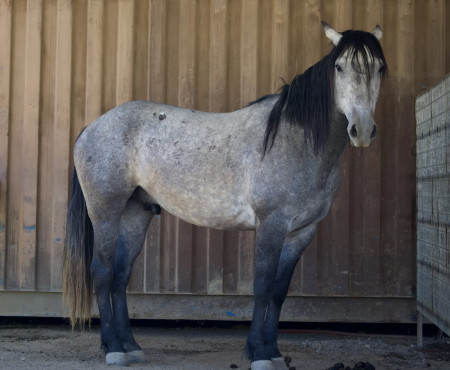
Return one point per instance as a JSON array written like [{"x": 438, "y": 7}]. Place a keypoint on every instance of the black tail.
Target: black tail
[{"x": 78, "y": 248}]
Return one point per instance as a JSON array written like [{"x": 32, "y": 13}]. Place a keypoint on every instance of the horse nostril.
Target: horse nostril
[
  {"x": 374, "y": 132},
  {"x": 353, "y": 131}
]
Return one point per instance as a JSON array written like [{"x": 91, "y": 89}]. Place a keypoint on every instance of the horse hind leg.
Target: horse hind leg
[
  {"x": 133, "y": 226},
  {"x": 106, "y": 221}
]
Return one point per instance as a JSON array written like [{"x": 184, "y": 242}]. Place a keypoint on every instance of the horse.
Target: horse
[{"x": 272, "y": 167}]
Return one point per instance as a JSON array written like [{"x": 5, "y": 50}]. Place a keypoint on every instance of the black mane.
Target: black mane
[{"x": 305, "y": 102}]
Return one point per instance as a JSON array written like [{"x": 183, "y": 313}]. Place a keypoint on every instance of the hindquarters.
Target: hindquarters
[
  {"x": 107, "y": 222},
  {"x": 101, "y": 187}
]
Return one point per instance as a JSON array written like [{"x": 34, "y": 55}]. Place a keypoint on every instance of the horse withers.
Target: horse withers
[{"x": 271, "y": 167}]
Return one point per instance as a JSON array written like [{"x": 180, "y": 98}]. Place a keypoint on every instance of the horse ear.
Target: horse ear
[
  {"x": 331, "y": 33},
  {"x": 377, "y": 32}
]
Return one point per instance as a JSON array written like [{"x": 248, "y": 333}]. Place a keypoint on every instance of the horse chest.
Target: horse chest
[{"x": 313, "y": 200}]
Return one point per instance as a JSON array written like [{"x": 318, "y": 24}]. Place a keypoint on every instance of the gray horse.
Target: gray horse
[{"x": 272, "y": 167}]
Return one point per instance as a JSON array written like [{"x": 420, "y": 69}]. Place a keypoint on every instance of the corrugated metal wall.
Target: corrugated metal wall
[{"x": 63, "y": 63}]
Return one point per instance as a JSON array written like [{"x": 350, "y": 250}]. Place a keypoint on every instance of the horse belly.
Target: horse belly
[
  {"x": 203, "y": 209},
  {"x": 215, "y": 199}
]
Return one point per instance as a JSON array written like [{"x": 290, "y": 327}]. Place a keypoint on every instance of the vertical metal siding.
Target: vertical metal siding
[{"x": 63, "y": 63}]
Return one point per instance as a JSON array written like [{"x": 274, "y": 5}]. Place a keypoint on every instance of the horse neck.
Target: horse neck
[
  {"x": 337, "y": 139},
  {"x": 338, "y": 135}
]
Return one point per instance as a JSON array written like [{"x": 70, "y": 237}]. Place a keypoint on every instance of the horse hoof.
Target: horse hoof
[
  {"x": 279, "y": 363},
  {"x": 137, "y": 357},
  {"x": 117, "y": 358},
  {"x": 262, "y": 365}
]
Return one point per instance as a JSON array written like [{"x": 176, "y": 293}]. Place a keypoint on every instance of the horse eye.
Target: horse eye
[
  {"x": 338, "y": 68},
  {"x": 381, "y": 70}
]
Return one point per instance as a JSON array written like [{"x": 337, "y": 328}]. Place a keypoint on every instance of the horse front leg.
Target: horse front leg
[
  {"x": 133, "y": 226},
  {"x": 269, "y": 241},
  {"x": 293, "y": 248}
]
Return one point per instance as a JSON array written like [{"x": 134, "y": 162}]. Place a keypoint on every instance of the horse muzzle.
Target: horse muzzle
[{"x": 362, "y": 129}]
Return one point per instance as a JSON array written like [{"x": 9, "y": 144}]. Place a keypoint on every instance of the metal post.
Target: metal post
[{"x": 419, "y": 329}]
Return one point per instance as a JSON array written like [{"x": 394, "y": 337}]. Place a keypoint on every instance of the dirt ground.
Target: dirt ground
[{"x": 57, "y": 347}]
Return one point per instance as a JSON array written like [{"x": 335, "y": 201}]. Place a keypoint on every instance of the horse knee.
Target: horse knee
[
  {"x": 263, "y": 292},
  {"x": 278, "y": 300}
]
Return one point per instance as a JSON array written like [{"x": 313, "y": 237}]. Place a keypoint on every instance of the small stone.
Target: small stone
[{"x": 234, "y": 366}]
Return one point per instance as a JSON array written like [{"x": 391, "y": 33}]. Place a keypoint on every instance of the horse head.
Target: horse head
[{"x": 359, "y": 67}]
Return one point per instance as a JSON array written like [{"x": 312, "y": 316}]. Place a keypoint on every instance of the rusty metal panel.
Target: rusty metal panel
[
  {"x": 63, "y": 63},
  {"x": 433, "y": 204}
]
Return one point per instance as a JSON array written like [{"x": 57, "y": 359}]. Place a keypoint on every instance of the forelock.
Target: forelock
[{"x": 362, "y": 48}]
